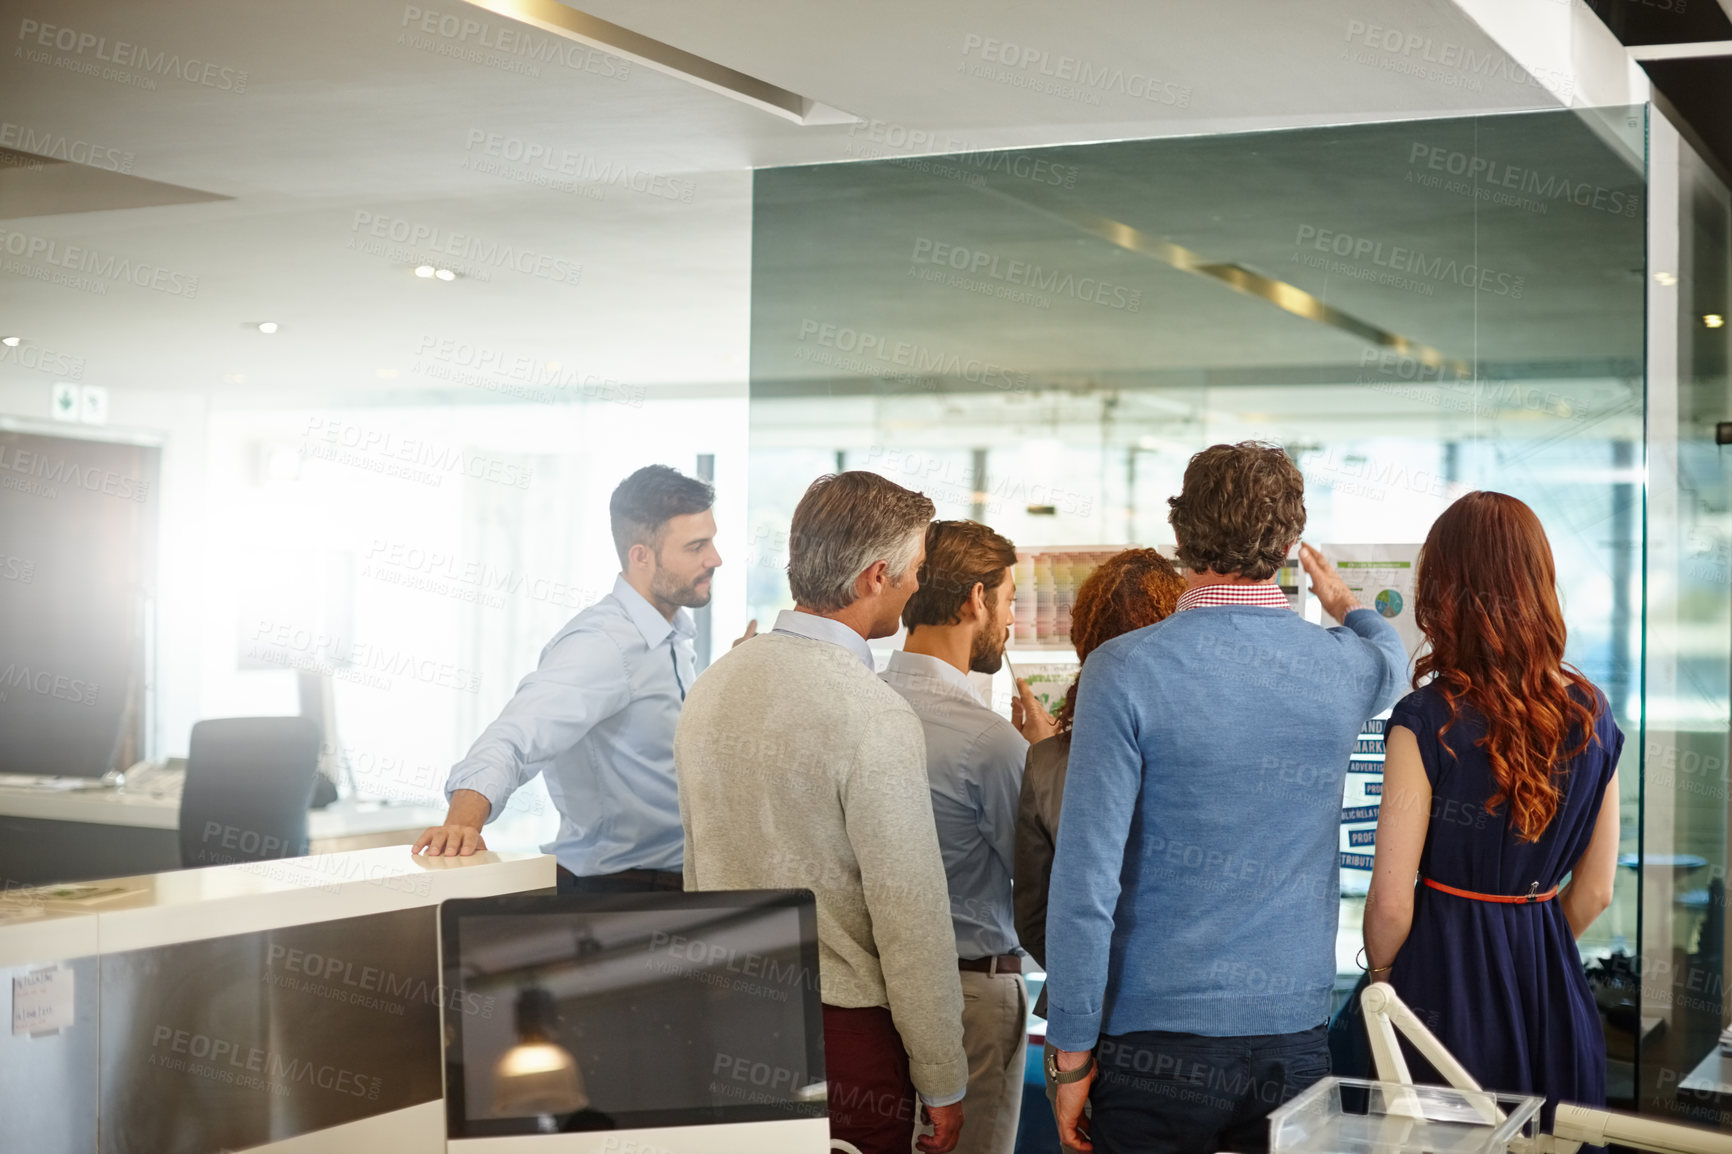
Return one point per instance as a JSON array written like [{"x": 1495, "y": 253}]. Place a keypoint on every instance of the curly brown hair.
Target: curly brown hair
[
  {"x": 1241, "y": 509},
  {"x": 1126, "y": 591}
]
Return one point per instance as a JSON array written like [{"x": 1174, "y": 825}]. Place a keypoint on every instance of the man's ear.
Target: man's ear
[
  {"x": 872, "y": 579},
  {"x": 977, "y": 598},
  {"x": 640, "y": 554}
]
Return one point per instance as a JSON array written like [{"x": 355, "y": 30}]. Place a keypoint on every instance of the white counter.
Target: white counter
[
  {"x": 193, "y": 905},
  {"x": 236, "y": 1007},
  {"x": 49, "y": 833},
  {"x": 143, "y": 809},
  {"x": 158, "y": 807}
]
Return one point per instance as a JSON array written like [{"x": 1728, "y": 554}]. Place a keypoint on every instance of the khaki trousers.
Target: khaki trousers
[{"x": 995, "y": 1034}]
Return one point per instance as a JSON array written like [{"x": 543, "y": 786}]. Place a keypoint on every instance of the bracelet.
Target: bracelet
[{"x": 1361, "y": 963}]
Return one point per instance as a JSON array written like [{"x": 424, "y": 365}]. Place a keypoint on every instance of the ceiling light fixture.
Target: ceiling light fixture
[
  {"x": 1666, "y": 278},
  {"x": 594, "y": 32},
  {"x": 267, "y": 326},
  {"x": 1713, "y": 320},
  {"x": 424, "y": 271},
  {"x": 445, "y": 274},
  {"x": 10, "y": 342}
]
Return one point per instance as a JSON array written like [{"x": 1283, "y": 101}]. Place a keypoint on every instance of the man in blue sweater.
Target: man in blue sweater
[{"x": 1195, "y": 888}]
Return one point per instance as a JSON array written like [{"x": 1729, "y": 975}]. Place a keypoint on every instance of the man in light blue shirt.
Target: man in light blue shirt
[
  {"x": 958, "y": 622},
  {"x": 597, "y": 715}
]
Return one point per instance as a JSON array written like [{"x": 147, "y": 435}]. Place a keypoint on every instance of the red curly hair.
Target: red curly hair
[
  {"x": 1486, "y": 598},
  {"x": 1126, "y": 591}
]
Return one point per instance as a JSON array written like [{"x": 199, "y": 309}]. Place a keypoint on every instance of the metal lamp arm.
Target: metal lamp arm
[
  {"x": 1385, "y": 1013},
  {"x": 1572, "y": 1127}
]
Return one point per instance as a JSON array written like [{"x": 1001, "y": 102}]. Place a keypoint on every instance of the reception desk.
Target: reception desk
[
  {"x": 56, "y": 834},
  {"x": 287, "y": 1006}
]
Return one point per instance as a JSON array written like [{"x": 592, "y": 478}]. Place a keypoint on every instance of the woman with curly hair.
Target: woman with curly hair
[
  {"x": 1501, "y": 778},
  {"x": 1127, "y": 591}
]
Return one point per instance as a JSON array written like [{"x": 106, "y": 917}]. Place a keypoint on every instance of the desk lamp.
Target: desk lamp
[{"x": 1573, "y": 1126}]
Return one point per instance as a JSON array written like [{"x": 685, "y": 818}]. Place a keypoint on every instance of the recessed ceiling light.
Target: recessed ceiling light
[
  {"x": 424, "y": 270},
  {"x": 445, "y": 274},
  {"x": 1665, "y": 278},
  {"x": 267, "y": 326},
  {"x": 1713, "y": 320},
  {"x": 10, "y": 342}
]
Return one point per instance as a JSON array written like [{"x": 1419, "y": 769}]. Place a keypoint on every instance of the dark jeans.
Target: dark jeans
[
  {"x": 629, "y": 882},
  {"x": 1161, "y": 1093},
  {"x": 871, "y": 1094}
]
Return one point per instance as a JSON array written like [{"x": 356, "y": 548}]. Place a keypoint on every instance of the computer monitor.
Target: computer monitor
[{"x": 652, "y": 1023}]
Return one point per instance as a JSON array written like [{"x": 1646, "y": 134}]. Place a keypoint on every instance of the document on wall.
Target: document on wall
[
  {"x": 1382, "y": 576},
  {"x": 42, "y": 1002},
  {"x": 1362, "y": 799}
]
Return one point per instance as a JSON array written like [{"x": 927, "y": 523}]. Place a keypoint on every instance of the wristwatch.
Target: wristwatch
[{"x": 1065, "y": 1077}]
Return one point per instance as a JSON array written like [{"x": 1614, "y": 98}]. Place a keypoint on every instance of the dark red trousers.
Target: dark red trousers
[{"x": 871, "y": 1096}]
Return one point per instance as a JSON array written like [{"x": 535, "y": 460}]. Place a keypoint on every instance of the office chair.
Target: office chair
[{"x": 249, "y": 781}]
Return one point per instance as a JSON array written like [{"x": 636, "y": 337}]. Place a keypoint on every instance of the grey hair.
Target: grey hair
[{"x": 844, "y": 524}]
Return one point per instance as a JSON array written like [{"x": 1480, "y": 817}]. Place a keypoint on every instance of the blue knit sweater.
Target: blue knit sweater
[{"x": 1196, "y": 883}]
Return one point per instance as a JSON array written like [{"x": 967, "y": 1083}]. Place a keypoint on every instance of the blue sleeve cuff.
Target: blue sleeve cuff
[
  {"x": 1071, "y": 1032},
  {"x": 947, "y": 1100},
  {"x": 476, "y": 778}
]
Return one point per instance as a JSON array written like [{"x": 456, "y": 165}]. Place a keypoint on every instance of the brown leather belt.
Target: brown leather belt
[{"x": 999, "y": 964}]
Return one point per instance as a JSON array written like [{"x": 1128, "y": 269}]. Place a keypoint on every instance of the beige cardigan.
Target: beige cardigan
[{"x": 799, "y": 768}]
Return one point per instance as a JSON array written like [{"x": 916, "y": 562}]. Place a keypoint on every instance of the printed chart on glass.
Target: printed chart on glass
[{"x": 1382, "y": 577}]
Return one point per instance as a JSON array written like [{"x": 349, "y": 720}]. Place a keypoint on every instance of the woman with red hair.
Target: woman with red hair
[
  {"x": 1500, "y": 779},
  {"x": 1127, "y": 591}
]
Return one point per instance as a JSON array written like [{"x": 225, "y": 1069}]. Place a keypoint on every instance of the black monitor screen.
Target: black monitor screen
[{"x": 626, "y": 1011}]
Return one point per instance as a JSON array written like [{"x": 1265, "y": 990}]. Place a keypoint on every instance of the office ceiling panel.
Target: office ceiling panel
[{"x": 596, "y": 214}]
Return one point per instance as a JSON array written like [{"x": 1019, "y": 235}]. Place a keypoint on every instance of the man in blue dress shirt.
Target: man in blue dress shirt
[
  {"x": 958, "y": 622},
  {"x": 597, "y": 715}
]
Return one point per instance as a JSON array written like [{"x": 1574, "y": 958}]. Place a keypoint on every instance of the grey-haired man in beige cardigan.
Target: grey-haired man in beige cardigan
[{"x": 799, "y": 768}]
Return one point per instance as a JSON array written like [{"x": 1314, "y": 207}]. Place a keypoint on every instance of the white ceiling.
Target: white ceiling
[{"x": 344, "y": 114}]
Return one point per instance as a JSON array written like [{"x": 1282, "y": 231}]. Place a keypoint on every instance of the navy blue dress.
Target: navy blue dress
[{"x": 1502, "y": 986}]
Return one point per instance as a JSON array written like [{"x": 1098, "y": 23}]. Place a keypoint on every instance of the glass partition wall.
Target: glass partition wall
[
  {"x": 1041, "y": 339},
  {"x": 1688, "y": 622}
]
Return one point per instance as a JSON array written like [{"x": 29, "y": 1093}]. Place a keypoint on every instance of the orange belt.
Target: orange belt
[{"x": 1533, "y": 894}]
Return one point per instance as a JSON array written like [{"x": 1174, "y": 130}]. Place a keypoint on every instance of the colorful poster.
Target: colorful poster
[
  {"x": 1382, "y": 576},
  {"x": 1050, "y": 681}
]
